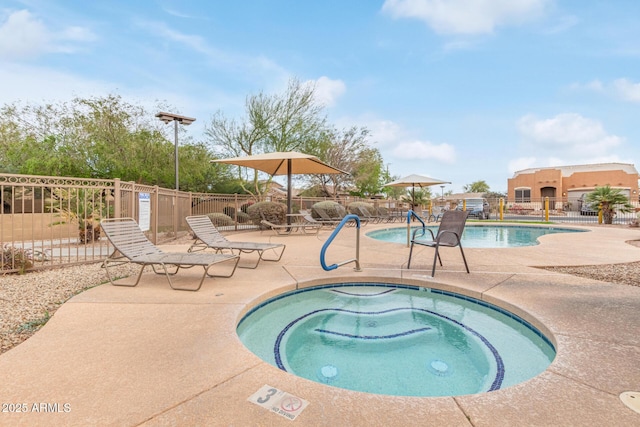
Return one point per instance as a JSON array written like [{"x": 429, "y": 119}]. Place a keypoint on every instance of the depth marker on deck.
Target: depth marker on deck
[{"x": 278, "y": 401}]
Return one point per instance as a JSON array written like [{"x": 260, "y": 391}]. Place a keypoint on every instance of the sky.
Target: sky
[{"x": 458, "y": 90}]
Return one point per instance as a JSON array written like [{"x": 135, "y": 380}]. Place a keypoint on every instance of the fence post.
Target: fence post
[
  {"x": 155, "y": 208},
  {"x": 133, "y": 207},
  {"x": 175, "y": 213},
  {"x": 117, "y": 199},
  {"x": 501, "y": 209},
  {"x": 235, "y": 211},
  {"x": 546, "y": 209}
]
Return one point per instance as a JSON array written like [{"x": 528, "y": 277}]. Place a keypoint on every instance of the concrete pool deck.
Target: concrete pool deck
[{"x": 153, "y": 356}]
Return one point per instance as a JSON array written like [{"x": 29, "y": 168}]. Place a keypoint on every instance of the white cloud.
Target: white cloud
[
  {"x": 395, "y": 142},
  {"x": 627, "y": 90},
  {"x": 466, "y": 16},
  {"x": 564, "y": 23},
  {"x": 219, "y": 58},
  {"x": 35, "y": 84},
  {"x": 385, "y": 132},
  {"x": 522, "y": 163},
  {"x": 622, "y": 88},
  {"x": 423, "y": 150},
  {"x": 568, "y": 133},
  {"x": 24, "y": 36},
  {"x": 327, "y": 91}
]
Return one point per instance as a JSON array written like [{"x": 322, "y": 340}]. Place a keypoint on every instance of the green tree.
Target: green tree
[
  {"x": 296, "y": 121},
  {"x": 476, "y": 187},
  {"x": 292, "y": 121},
  {"x": 346, "y": 150},
  {"x": 609, "y": 200},
  {"x": 392, "y": 192},
  {"x": 367, "y": 173},
  {"x": 233, "y": 139},
  {"x": 99, "y": 137}
]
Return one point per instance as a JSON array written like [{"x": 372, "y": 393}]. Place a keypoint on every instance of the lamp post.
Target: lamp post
[
  {"x": 170, "y": 117},
  {"x": 442, "y": 192}
]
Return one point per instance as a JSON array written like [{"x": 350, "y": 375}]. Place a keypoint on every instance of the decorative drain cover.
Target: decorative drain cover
[{"x": 327, "y": 373}]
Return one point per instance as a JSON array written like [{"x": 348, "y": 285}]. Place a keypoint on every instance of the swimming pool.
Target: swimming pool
[
  {"x": 395, "y": 339},
  {"x": 480, "y": 236}
]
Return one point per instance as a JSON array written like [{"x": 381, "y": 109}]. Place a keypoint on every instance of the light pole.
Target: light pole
[
  {"x": 170, "y": 117},
  {"x": 442, "y": 192}
]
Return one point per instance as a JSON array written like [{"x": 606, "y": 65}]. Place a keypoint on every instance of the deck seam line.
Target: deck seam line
[{"x": 170, "y": 408}]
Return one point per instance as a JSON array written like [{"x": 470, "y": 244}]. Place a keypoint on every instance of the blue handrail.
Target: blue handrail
[
  {"x": 323, "y": 252},
  {"x": 410, "y": 214}
]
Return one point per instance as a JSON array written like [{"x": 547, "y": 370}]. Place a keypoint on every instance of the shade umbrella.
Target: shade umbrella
[
  {"x": 284, "y": 163},
  {"x": 414, "y": 181}
]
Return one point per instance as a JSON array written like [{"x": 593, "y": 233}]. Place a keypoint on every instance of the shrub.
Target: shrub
[
  {"x": 16, "y": 258},
  {"x": 354, "y": 208},
  {"x": 229, "y": 211},
  {"x": 220, "y": 220},
  {"x": 243, "y": 218},
  {"x": 244, "y": 208},
  {"x": 333, "y": 209},
  {"x": 272, "y": 211}
]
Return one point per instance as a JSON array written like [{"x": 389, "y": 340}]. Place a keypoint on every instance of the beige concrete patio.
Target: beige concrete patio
[{"x": 154, "y": 356}]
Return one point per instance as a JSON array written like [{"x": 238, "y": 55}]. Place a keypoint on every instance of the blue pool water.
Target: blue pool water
[
  {"x": 395, "y": 340},
  {"x": 480, "y": 236}
]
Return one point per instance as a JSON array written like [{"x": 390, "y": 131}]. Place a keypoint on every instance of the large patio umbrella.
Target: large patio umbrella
[
  {"x": 284, "y": 163},
  {"x": 414, "y": 181}
]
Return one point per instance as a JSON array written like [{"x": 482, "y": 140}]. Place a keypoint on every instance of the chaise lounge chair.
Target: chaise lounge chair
[
  {"x": 207, "y": 236},
  {"x": 449, "y": 235},
  {"x": 300, "y": 225},
  {"x": 365, "y": 215},
  {"x": 308, "y": 217},
  {"x": 129, "y": 241}
]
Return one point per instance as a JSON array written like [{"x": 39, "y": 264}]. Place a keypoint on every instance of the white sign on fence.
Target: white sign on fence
[{"x": 144, "y": 211}]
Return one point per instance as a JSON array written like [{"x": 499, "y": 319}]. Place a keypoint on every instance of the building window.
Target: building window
[{"x": 523, "y": 195}]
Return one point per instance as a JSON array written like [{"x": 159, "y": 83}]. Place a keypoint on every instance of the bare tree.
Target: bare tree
[{"x": 292, "y": 121}]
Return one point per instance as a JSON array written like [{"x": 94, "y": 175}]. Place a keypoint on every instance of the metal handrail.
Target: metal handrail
[
  {"x": 323, "y": 252},
  {"x": 410, "y": 214}
]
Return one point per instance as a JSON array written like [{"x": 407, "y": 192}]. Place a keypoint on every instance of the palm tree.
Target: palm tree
[
  {"x": 609, "y": 200},
  {"x": 418, "y": 197}
]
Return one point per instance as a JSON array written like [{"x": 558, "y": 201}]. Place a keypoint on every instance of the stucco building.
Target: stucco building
[{"x": 571, "y": 182}]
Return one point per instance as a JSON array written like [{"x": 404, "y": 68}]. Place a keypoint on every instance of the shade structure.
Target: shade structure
[
  {"x": 414, "y": 181},
  {"x": 284, "y": 163}
]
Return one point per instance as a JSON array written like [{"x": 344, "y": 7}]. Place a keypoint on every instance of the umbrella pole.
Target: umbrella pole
[
  {"x": 288, "y": 191},
  {"x": 413, "y": 197}
]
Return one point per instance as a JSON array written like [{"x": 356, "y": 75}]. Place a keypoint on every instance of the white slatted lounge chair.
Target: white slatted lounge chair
[
  {"x": 449, "y": 235},
  {"x": 207, "y": 236},
  {"x": 131, "y": 245},
  {"x": 364, "y": 213},
  {"x": 384, "y": 215},
  {"x": 303, "y": 226}
]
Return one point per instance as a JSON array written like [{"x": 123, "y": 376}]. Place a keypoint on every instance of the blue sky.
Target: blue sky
[{"x": 460, "y": 90}]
